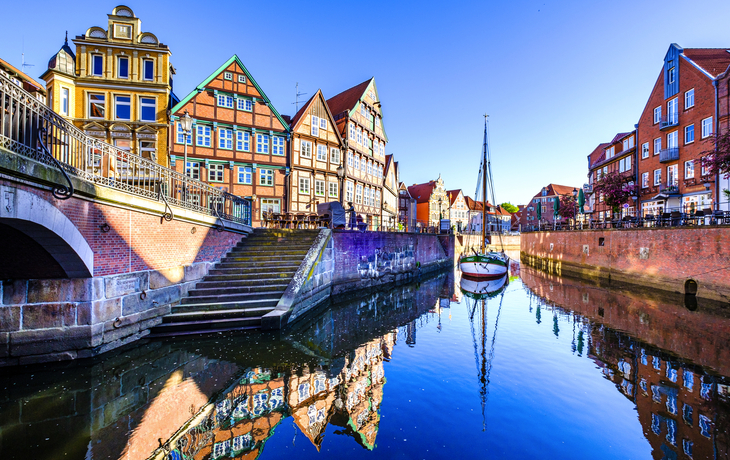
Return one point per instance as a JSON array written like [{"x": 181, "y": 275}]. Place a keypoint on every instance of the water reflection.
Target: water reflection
[{"x": 670, "y": 362}]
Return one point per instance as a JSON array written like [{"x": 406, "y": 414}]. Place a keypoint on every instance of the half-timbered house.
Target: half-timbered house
[{"x": 238, "y": 142}]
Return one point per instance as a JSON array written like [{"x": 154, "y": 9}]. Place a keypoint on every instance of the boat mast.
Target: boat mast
[{"x": 484, "y": 188}]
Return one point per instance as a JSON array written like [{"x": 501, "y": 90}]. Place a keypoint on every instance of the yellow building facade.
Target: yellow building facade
[{"x": 116, "y": 86}]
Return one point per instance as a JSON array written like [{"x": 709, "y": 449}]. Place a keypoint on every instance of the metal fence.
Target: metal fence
[{"x": 29, "y": 128}]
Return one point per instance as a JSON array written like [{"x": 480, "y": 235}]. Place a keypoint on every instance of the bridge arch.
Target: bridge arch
[{"x": 39, "y": 241}]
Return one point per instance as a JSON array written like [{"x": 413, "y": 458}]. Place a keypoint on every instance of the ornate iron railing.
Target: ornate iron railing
[{"x": 27, "y": 126}]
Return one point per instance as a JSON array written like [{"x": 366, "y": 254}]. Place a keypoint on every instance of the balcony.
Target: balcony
[
  {"x": 670, "y": 188},
  {"x": 670, "y": 121},
  {"x": 670, "y": 154}
]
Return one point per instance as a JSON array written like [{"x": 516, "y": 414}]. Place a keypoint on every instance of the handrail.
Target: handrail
[
  {"x": 29, "y": 128},
  {"x": 59, "y": 191}
]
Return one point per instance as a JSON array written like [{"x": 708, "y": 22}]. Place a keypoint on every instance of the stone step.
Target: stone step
[
  {"x": 262, "y": 264},
  {"x": 266, "y": 295},
  {"x": 282, "y": 255},
  {"x": 209, "y": 325},
  {"x": 224, "y": 274},
  {"x": 230, "y": 290},
  {"x": 210, "y": 315},
  {"x": 239, "y": 281},
  {"x": 266, "y": 242},
  {"x": 253, "y": 250},
  {"x": 233, "y": 305}
]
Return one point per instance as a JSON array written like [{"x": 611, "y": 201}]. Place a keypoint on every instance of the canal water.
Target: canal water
[{"x": 534, "y": 367}]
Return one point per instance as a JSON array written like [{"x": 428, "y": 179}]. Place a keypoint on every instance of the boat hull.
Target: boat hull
[
  {"x": 484, "y": 288},
  {"x": 483, "y": 267}
]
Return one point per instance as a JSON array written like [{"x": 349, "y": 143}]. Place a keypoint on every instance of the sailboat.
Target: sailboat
[{"x": 482, "y": 264}]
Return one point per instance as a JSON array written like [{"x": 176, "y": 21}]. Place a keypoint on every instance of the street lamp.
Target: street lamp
[
  {"x": 341, "y": 176},
  {"x": 186, "y": 124},
  {"x": 441, "y": 216},
  {"x": 575, "y": 206}
]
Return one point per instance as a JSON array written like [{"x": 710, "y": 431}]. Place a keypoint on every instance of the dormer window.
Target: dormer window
[
  {"x": 97, "y": 65},
  {"x": 122, "y": 67},
  {"x": 123, "y": 31},
  {"x": 671, "y": 75}
]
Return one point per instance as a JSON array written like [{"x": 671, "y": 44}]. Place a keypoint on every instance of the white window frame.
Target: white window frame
[
  {"x": 319, "y": 187},
  {"x": 241, "y": 79},
  {"x": 707, "y": 127},
  {"x": 673, "y": 174},
  {"x": 305, "y": 150},
  {"x": 277, "y": 145},
  {"x": 358, "y": 136},
  {"x": 349, "y": 192},
  {"x": 119, "y": 67},
  {"x": 262, "y": 143},
  {"x": 689, "y": 131},
  {"x": 193, "y": 170},
  {"x": 358, "y": 194},
  {"x": 145, "y": 62},
  {"x": 689, "y": 99},
  {"x": 227, "y": 76},
  {"x": 657, "y": 114},
  {"x": 118, "y": 104},
  {"x": 215, "y": 172},
  {"x": 351, "y": 131},
  {"x": 97, "y": 70},
  {"x": 357, "y": 163},
  {"x": 315, "y": 126},
  {"x": 672, "y": 140},
  {"x": 202, "y": 135},
  {"x": 149, "y": 147},
  {"x": 321, "y": 152},
  {"x": 143, "y": 104},
  {"x": 323, "y": 124},
  {"x": 65, "y": 95},
  {"x": 334, "y": 156},
  {"x": 245, "y": 105},
  {"x": 225, "y": 138},
  {"x": 673, "y": 111},
  {"x": 657, "y": 177},
  {"x": 180, "y": 137},
  {"x": 689, "y": 169},
  {"x": 645, "y": 180},
  {"x": 645, "y": 150},
  {"x": 243, "y": 141},
  {"x": 333, "y": 189},
  {"x": 610, "y": 152},
  {"x": 304, "y": 185},
  {"x": 657, "y": 145},
  {"x": 266, "y": 177},
  {"x": 225, "y": 101},
  {"x": 245, "y": 175},
  {"x": 350, "y": 159},
  {"x": 270, "y": 204}
]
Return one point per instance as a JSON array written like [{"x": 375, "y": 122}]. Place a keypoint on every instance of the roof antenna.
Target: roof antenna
[
  {"x": 296, "y": 102},
  {"x": 23, "y": 65}
]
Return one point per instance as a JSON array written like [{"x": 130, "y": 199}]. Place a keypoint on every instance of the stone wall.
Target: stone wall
[
  {"x": 660, "y": 258},
  {"x": 60, "y": 319}
]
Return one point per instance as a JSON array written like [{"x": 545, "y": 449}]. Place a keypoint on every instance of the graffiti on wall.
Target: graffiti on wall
[{"x": 386, "y": 261}]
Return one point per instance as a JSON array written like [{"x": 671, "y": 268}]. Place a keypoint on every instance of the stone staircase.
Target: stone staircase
[{"x": 244, "y": 286}]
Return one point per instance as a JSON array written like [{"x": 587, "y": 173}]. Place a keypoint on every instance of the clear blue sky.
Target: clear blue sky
[{"x": 556, "y": 78}]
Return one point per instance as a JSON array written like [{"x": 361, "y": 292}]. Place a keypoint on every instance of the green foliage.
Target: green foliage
[{"x": 509, "y": 207}]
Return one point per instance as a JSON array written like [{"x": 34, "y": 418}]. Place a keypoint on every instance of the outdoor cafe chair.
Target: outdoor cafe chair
[{"x": 676, "y": 218}]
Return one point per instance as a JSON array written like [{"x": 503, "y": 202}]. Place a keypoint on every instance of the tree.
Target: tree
[
  {"x": 717, "y": 159},
  {"x": 567, "y": 207},
  {"x": 617, "y": 189},
  {"x": 510, "y": 208}
]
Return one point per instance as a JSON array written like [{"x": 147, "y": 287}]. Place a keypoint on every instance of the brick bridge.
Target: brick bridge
[{"x": 97, "y": 242}]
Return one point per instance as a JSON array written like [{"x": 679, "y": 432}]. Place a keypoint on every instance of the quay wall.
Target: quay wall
[{"x": 668, "y": 259}]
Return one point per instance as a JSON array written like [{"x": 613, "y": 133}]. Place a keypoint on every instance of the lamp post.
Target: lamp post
[
  {"x": 341, "y": 176},
  {"x": 441, "y": 216},
  {"x": 186, "y": 123},
  {"x": 575, "y": 206}
]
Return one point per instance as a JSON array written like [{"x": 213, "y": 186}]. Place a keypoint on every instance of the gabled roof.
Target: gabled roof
[
  {"x": 294, "y": 124},
  {"x": 714, "y": 61},
  {"x": 202, "y": 86},
  {"x": 555, "y": 189},
  {"x": 346, "y": 100},
  {"x": 422, "y": 192},
  {"x": 619, "y": 136},
  {"x": 453, "y": 195},
  {"x": 598, "y": 154}
]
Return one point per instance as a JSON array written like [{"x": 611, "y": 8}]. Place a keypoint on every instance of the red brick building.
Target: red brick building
[
  {"x": 616, "y": 156},
  {"x": 546, "y": 200},
  {"x": 678, "y": 119},
  {"x": 239, "y": 142}
]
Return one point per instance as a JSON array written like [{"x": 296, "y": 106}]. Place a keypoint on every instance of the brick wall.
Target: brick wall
[{"x": 660, "y": 258}]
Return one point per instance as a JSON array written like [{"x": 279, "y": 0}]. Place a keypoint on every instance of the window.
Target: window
[
  {"x": 122, "y": 67},
  {"x": 351, "y": 131},
  {"x": 322, "y": 124},
  {"x": 370, "y": 167},
  {"x": 304, "y": 185},
  {"x": 333, "y": 189},
  {"x": 610, "y": 152},
  {"x": 147, "y": 150},
  {"x": 215, "y": 172},
  {"x": 147, "y": 109},
  {"x": 689, "y": 169},
  {"x": 228, "y": 75},
  {"x": 358, "y": 194},
  {"x": 377, "y": 121},
  {"x": 321, "y": 152},
  {"x": 706, "y": 127},
  {"x": 270, "y": 205},
  {"x": 262, "y": 143},
  {"x": 657, "y": 115},
  {"x": 243, "y": 141},
  {"x": 319, "y": 187},
  {"x": 689, "y": 134},
  {"x": 657, "y": 145},
  {"x": 657, "y": 176},
  {"x": 672, "y": 175},
  {"x": 244, "y": 175},
  {"x": 334, "y": 156},
  {"x": 122, "y": 31},
  {"x": 363, "y": 110},
  {"x": 202, "y": 136},
  {"x": 181, "y": 137},
  {"x": 672, "y": 142},
  {"x": 359, "y": 136},
  {"x": 645, "y": 150},
  {"x": 244, "y": 104},
  {"x": 306, "y": 151},
  {"x": 97, "y": 65},
  {"x": 382, "y": 149},
  {"x": 689, "y": 99},
  {"x": 315, "y": 126},
  {"x": 193, "y": 170},
  {"x": 64, "y": 101},
  {"x": 225, "y": 101},
  {"x": 357, "y": 163},
  {"x": 645, "y": 180},
  {"x": 225, "y": 139},
  {"x": 148, "y": 69},
  {"x": 266, "y": 177},
  {"x": 241, "y": 79},
  {"x": 122, "y": 107},
  {"x": 377, "y": 197},
  {"x": 277, "y": 145},
  {"x": 349, "y": 192},
  {"x": 672, "y": 108},
  {"x": 704, "y": 169}
]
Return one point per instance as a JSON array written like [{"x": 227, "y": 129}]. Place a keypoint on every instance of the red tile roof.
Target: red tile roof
[
  {"x": 561, "y": 189},
  {"x": 300, "y": 113},
  {"x": 618, "y": 137},
  {"x": 422, "y": 192},
  {"x": 347, "y": 99},
  {"x": 713, "y": 60},
  {"x": 598, "y": 154},
  {"x": 453, "y": 195}
]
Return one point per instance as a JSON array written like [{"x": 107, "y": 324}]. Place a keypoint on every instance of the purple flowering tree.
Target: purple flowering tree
[
  {"x": 617, "y": 189},
  {"x": 717, "y": 159},
  {"x": 567, "y": 207}
]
